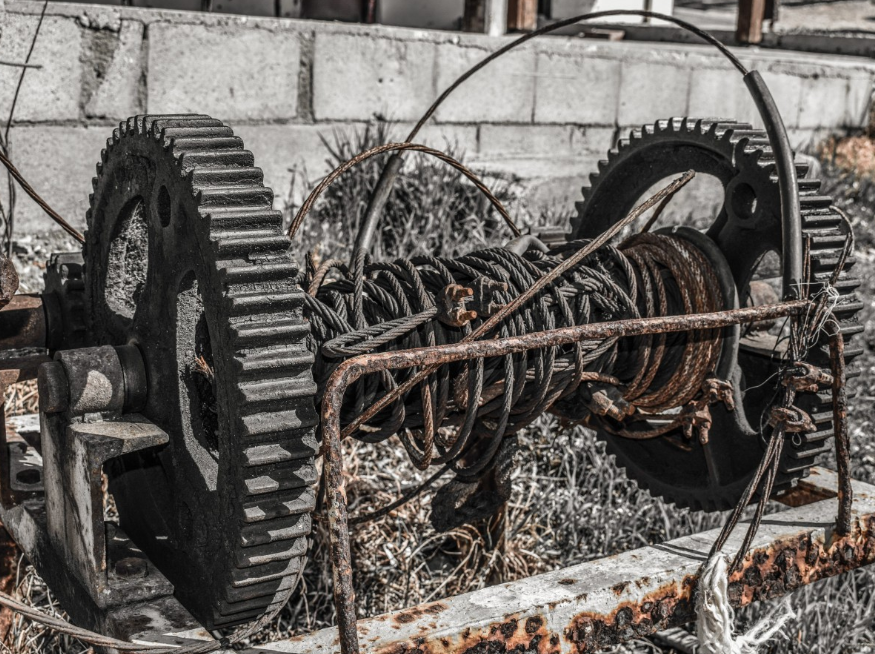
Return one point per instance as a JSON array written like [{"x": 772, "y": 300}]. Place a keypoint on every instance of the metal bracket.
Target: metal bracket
[{"x": 53, "y": 501}]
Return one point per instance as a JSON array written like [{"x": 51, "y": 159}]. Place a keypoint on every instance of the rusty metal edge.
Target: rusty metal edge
[{"x": 586, "y": 607}]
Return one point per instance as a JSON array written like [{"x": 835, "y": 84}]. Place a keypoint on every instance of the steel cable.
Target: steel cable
[{"x": 459, "y": 414}]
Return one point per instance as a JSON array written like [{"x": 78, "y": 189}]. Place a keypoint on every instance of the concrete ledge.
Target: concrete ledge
[{"x": 282, "y": 83}]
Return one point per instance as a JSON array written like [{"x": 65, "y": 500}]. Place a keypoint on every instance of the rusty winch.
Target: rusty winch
[{"x": 191, "y": 355}]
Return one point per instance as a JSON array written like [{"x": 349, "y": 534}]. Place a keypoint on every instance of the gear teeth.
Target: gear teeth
[
  {"x": 204, "y": 178},
  {"x": 275, "y": 391},
  {"x": 264, "y": 272},
  {"x": 274, "y": 361},
  {"x": 748, "y": 147},
  {"x": 280, "y": 551},
  {"x": 270, "y": 531},
  {"x": 214, "y": 198},
  {"x": 261, "y": 302},
  {"x": 142, "y": 125},
  {"x": 173, "y": 134},
  {"x": 188, "y": 144},
  {"x": 270, "y": 479},
  {"x": 257, "y": 242},
  {"x": 269, "y": 368},
  {"x": 261, "y": 424},
  {"x": 278, "y": 506},
  {"x": 241, "y": 578},
  {"x": 261, "y": 333},
  {"x": 220, "y": 157},
  {"x": 262, "y": 455}
]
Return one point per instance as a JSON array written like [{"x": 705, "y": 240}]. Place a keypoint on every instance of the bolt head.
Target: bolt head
[{"x": 131, "y": 567}]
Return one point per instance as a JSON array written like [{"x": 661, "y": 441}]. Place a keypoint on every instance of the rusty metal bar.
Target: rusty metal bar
[
  {"x": 586, "y": 607},
  {"x": 352, "y": 369},
  {"x": 840, "y": 426},
  {"x": 23, "y": 323}
]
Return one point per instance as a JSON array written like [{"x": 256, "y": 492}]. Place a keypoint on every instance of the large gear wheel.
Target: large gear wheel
[
  {"x": 747, "y": 227},
  {"x": 186, "y": 259}
]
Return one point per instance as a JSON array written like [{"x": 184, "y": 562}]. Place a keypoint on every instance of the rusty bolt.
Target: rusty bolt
[
  {"x": 451, "y": 305},
  {"x": 794, "y": 419},
  {"x": 717, "y": 390},
  {"x": 484, "y": 301},
  {"x": 804, "y": 377},
  {"x": 607, "y": 401},
  {"x": 131, "y": 567},
  {"x": 696, "y": 419}
]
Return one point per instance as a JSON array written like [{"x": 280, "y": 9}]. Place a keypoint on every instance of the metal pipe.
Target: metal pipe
[
  {"x": 352, "y": 369},
  {"x": 788, "y": 187}
]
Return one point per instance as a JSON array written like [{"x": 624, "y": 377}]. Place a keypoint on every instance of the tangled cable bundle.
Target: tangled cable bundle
[{"x": 460, "y": 416}]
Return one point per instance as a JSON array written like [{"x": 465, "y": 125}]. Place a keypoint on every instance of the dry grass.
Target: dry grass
[{"x": 570, "y": 504}]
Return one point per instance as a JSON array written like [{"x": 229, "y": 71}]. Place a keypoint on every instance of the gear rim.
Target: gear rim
[
  {"x": 256, "y": 509},
  {"x": 740, "y": 157}
]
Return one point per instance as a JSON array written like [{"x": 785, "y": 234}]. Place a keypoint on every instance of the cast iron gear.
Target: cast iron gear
[
  {"x": 747, "y": 227},
  {"x": 186, "y": 258}
]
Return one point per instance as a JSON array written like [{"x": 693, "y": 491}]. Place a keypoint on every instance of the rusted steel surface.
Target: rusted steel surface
[
  {"x": 17, "y": 369},
  {"x": 352, "y": 369},
  {"x": 586, "y": 607},
  {"x": 8, "y": 280},
  {"x": 22, "y": 323}
]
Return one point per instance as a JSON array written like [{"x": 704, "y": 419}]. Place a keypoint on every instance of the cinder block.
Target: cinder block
[
  {"x": 117, "y": 94},
  {"x": 459, "y": 139},
  {"x": 823, "y": 102},
  {"x": 593, "y": 140},
  {"x": 293, "y": 157},
  {"x": 498, "y": 141},
  {"x": 859, "y": 100},
  {"x": 807, "y": 140},
  {"x": 358, "y": 77},
  {"x": 786, "y": 88},
  {"x": 576, "y": 89},
  {"x": 503, "y": 92},
  {"x": 59, "y": 162},
  {"x": 52, "y": 91},
  {"x": 232, "y": 72},
  {"x": 650, "y": 90},
  {"x": 717, "y": 93}
]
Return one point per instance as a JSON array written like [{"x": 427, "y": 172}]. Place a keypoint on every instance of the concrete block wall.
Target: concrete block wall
[{"x": 545, "y": 113}]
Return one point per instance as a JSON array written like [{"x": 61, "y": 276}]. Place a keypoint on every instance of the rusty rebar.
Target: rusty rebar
[
  {"x": 840, "y": 426},
  {"x": 352, "y": 369}
]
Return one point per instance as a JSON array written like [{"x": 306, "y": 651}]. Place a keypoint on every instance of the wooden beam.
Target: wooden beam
[
  {"x": 522, "y": 15},
  {"x": 750, "y": 21}
]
